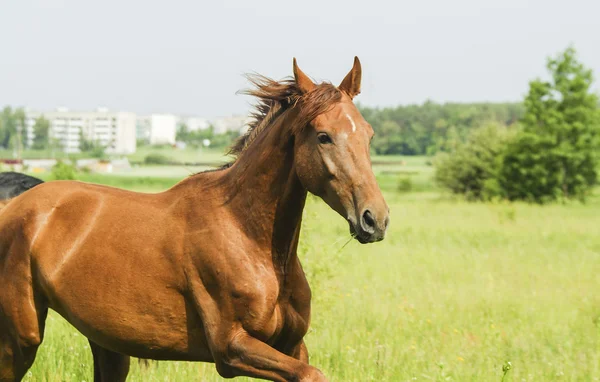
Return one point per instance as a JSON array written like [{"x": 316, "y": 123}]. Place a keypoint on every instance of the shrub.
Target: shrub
[
  {"x": 405, "y": 185},
  {"x": 155, "y": 158},
  {"x": 63, "y": 171},
  {"x": 472, "y": 168}
]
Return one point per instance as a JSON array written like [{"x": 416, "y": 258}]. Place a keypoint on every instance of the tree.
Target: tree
[
  {"x": 557, "y": 153},
  {"x": 12, "y": 126},
  {"x": 224, "y": 140},
  {"x": 19, "y": 117},
  {"x": 8, "y": 127},
  {"x": 388, "y": 139},
  {"x": 195, "y": 138},
  {"x": 183, "y": 133},
  {"x": 93, "y": 148},
  {"x": 41, "y": 131}
]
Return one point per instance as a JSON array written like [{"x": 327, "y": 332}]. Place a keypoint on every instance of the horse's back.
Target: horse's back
[
  {"x": 50, "y": 212},
  {"x": 59, "y": 219},
  {"x": 62, "y": 203}
]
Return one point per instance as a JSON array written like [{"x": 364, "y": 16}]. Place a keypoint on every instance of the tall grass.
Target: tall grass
[{"x": 454, "y": 293}]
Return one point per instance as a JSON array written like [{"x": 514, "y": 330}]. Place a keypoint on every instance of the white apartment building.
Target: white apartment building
[
  {"x": 157, "y": 128},
  {"x": 114, "y": 130},
  {"x": 194, "y": 123}
]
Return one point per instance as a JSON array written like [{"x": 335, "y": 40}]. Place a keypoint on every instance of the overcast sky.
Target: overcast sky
[{"x": 189, "y": 56}]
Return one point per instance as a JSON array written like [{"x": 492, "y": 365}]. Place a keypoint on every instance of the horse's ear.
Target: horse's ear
[
  {"x": 304, "y": 83},
  {"x": 351, "y": 83}
]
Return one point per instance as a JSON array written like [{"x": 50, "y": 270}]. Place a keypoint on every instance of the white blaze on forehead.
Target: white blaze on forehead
[{"x": 352, "y": 122}]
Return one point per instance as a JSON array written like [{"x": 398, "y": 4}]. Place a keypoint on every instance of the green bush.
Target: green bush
[
  {"x": 63, "y": 171},
  {"x": 405, "y": 185},
  {"x": 155, "y": 158},
  {"x": 472, "y": 168}
]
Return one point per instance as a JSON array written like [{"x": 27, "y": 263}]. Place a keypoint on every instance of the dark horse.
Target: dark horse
[
  {"x": 14, "y": 184},
  {"x": 205, "y": 271}
]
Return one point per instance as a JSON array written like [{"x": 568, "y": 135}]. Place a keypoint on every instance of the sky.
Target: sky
[{"x": 189, "y": 57}]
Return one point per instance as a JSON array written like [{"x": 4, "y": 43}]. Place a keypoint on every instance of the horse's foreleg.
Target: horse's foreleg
[
  {"x": 22, "y": 311},
  {"x": 300, "y": 352},
  {"x": 248, "y": 356},
  {"x": 19, "y": 341},
  {"x": 7, "y": 362},
  {"x": 108, "y": 365}
]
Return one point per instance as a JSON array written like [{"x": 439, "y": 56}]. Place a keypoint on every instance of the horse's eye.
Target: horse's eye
[{"x": 324, "y": 138}]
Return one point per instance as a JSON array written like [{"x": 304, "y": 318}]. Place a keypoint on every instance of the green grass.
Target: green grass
[
  {"x": 39, "y": 154},
  {"x": 454, "y": 292},
  {"x": 198, "y": 155},
  {"x": 135, "y": 183},
  {"x": 188, "y": 155}
]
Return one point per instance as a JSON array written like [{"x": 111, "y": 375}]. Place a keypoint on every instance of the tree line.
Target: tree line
[{"x": 432, "y": 127}]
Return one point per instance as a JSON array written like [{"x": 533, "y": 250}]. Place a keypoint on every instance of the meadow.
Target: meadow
[{"x": 455, "y": 292}]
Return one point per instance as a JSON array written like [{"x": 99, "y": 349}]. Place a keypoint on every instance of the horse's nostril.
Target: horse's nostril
[{"x": 368, "y": 221}]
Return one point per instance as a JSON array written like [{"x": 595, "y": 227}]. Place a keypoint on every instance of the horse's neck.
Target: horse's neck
[{"x": 266, "y": 194}]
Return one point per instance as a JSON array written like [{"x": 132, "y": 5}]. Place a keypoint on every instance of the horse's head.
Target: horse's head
[{"x": 333, "y": 160}]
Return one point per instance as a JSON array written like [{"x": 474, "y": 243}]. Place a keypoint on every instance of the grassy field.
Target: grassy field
[
  {"x": 188, "y": 155},
  {"x": 390, "y": 170}
]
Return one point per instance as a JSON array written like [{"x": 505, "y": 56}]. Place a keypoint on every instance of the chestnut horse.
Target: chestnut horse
[{"x": 205, "y": 271}]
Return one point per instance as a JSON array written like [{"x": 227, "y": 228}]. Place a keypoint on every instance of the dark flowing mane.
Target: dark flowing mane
[{"x": 275, "y": 97}]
